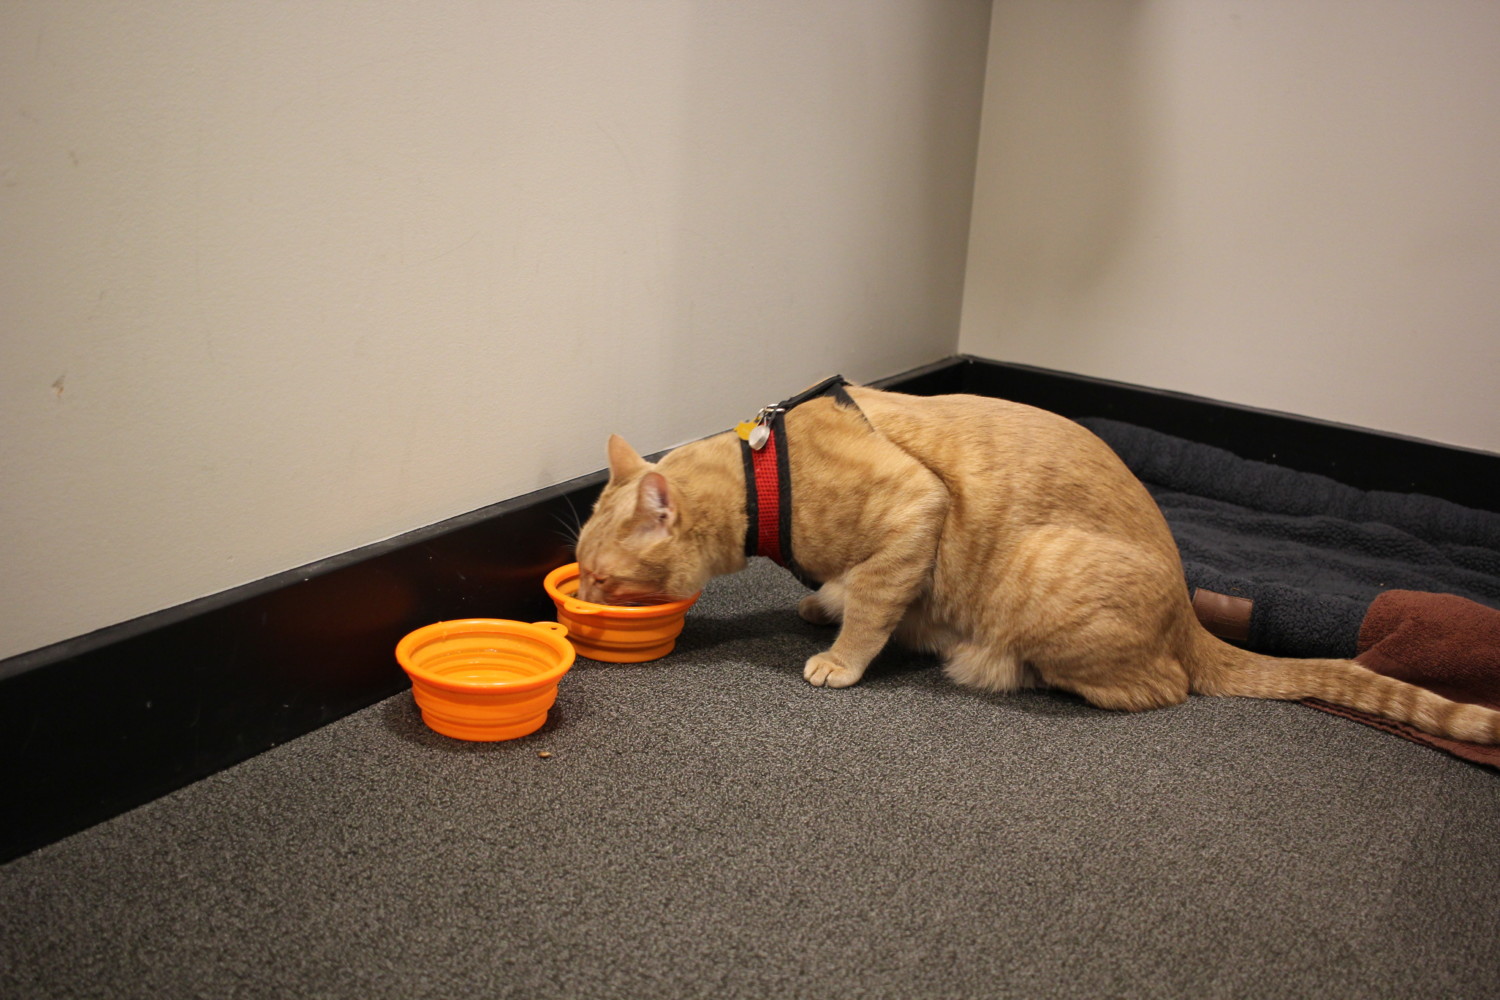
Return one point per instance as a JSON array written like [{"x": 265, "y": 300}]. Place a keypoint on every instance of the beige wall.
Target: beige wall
[
  {"x": 280, "y": 280},
  {"x": 1293, "y": 204}
]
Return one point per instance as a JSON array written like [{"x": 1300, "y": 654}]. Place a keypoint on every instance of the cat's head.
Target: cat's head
[{"x": 635, "y": 548}]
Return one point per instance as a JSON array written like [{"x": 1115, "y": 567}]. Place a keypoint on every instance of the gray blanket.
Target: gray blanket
[{"x": 1311, "y": 552}]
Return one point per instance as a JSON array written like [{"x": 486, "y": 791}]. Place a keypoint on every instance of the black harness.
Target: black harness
[{"x": 768, "y": 480}]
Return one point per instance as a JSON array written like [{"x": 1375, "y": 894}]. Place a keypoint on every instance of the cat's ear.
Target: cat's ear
[
  {"x": 624, "y": 462},
  {"x": 656, "y": 507}
]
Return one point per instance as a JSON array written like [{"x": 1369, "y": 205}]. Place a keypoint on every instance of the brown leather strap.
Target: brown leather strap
[{"x": 1225, "y": 616}]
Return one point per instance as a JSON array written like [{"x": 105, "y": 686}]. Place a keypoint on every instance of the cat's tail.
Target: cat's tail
[{"x": 1221, "y": 669}]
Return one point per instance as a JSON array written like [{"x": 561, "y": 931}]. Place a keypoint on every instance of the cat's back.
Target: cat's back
[
  {"x": 1016, "y": 462},
  {"x": 954, "y": 431}
]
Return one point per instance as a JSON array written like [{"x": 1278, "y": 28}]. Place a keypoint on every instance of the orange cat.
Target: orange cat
[{"x": 1010, "y": 541}]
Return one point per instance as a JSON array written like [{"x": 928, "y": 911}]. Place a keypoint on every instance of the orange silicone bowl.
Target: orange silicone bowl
[
  {"x": 611, "y": 633},
  {"x": 485, "y": 678}
]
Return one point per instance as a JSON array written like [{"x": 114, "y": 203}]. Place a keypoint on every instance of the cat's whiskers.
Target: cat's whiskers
[{"x": 569, "y": 531}]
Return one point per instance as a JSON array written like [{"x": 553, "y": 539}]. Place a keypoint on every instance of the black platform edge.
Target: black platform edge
[
  {"x": 1367, "y": 459},
  {"x": 97, "y": 725}
]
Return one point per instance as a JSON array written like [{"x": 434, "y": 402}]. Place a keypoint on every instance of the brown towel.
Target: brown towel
[{"x": 1442, "y": 642}]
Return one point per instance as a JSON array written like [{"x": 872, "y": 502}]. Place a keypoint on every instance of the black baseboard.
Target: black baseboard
[{"x": 97, "y": 725}]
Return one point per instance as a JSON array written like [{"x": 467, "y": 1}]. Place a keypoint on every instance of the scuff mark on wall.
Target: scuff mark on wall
[{"x": 57, "y": 385}]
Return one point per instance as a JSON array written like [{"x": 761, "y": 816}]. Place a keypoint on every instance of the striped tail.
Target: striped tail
[{"x": 1221, "y": 669}]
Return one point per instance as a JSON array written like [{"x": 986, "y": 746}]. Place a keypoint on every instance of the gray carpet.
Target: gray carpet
[{"x": 711, "y": 826}]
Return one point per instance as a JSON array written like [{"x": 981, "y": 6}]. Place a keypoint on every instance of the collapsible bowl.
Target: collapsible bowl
[
  {"x": 613, "y": 633},
  {"x": 485, "y": 678}
]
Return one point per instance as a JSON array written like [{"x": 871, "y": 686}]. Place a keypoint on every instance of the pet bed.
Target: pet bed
[{"x": 1296, "y": 564}]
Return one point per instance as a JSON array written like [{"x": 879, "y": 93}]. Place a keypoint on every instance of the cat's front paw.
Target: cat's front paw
[{"x": 823, "y": 670}]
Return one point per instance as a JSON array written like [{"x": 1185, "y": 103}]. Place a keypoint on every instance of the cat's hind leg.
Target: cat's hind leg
[
  {"x": 1095, "y": 615},
  {"x": 1131, "y": 684}
]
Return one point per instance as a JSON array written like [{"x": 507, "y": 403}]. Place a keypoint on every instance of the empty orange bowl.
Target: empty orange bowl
[
  {"x": 610, "y": 632},
  {"x": 485, "y": 678}
]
